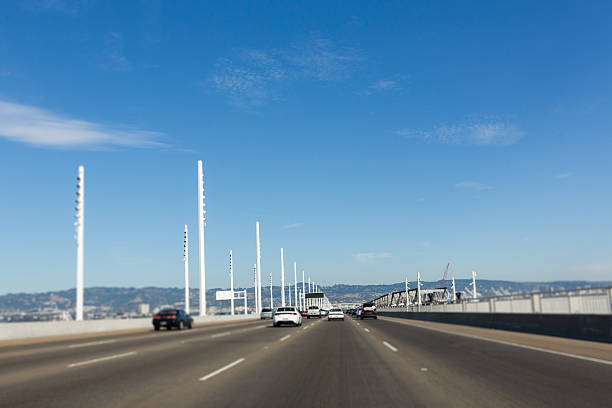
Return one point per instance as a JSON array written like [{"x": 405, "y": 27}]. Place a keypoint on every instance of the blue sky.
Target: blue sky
[{"x": 371, "y": 140}]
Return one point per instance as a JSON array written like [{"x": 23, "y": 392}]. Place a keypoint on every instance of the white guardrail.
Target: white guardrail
[
  {"x": 579, "y": 301},
  {"x": 22, "y": 330}
]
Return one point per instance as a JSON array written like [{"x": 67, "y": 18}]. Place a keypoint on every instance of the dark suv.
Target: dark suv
[
  {"x": 170, "y": 318},
  {"x": 368, "y": 310}
]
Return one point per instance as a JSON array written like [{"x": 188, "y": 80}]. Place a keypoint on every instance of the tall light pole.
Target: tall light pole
[
  {"x": 79, "y": 224},
  {"x": 255, "y": 287},
  {"x": 186, "y": 260},
  {"x": 406, "y": 293},
  {"x": 474, "y": 284},
  {"x": 201, "y": 225},
  {"x": 289, "y": 292},
  {"x": 309, "y": 286},
  {"x": 454, "y": 291},
  {"x": 231, "y": 268},
  {"x": 419, "y": 288},
  {"x": 282, "y": 278},
  {"x": 258, "y": 260},
  {"x": 295, "y": 283},
  {"x": 271, "y": 298},
  {"x": 303, "y": 297}
]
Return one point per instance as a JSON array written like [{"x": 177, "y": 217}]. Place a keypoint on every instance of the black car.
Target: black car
[
  {"x": 368, "y": 310},
  {"x": 170, "y": 318}
]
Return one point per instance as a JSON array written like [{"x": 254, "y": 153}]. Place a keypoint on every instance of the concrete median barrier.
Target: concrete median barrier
[
  {"x": 595, "y": 327},
  {"x": 12, "y": 331}
]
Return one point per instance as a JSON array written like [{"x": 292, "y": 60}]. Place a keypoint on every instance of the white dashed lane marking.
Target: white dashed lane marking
[
  {"x": 222, "y": 369},
  {"x": 389, "y": 346},
  {"x": 97, "y": 360}
]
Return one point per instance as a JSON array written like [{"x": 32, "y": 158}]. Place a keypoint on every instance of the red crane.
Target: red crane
[{"x": 444, "y": 277}]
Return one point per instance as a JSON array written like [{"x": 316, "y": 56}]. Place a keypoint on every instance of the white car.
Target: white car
[
  {"x": 287, "y": 315},
  {"x": 313, "y": 311},
  {"x": 335, "y": 313}
]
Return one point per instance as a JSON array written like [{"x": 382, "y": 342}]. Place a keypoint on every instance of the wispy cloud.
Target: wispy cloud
[
  {"x": 70, "y": 7},
  {"x": 366, "y": 257},
  {"x": 472, "y": 185},
  {"x": 480, "y": 131},
  {"x": 384, "y": 84},
  {"x": 113, "y": 56},
  {"x": 40, "y": 127},
  {"x": 322, "y": 58},
  {"x": 564, "y": 175},
  {"x": 296, "y": 225},
  {"x": 253, "y": 77}
]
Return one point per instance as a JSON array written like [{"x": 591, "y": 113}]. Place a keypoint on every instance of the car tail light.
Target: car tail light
[
  {"x": 156, "y": 316},
  {"x": 374, "y": 311},
  {"x": 171, "y": 317}
]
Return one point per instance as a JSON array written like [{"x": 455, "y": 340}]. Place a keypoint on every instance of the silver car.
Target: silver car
[{"x": 266, "y": 313}]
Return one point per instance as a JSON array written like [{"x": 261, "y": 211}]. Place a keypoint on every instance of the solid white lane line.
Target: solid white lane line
[
  {"x": 93, "y": 343},
  {"x": 214, "y": 336},
  {"x": 390, "y": 346},
  {"x": 222, "y": 369},
  {"x": 509, "y": 343},
  {"x": 357, "y": 324},
  {"x": 423, "y": 369},
  {"x": 285, "y": 338},
  {"x": 367, "y": 330},
  {"x": 97, "y": 360}
]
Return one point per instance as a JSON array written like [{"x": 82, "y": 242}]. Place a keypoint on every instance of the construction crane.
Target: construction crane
[{"x": 444, "y": 277}]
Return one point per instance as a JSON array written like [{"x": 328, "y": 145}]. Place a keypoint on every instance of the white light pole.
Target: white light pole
[
  {"x": 282, "y": 278},
  {"x": 79, "y": 224},
  {"x": 231, "y": 282},
  {"x": 255, "y": 287},
  {"x": 289, "y": 291},
  {"x": 201, "y": 225},
  {"x": 295, "y": 283},
  {"x": 271, "y": 298},
  {"x": 258, "y": 264},
  {"x": 406, "y": 293},
  {"x": 309, "y": 286},
  {"x": 186, "y": 260},
  {"x": 419, "y": 288},
  {"x": 303, "y": 290},
  {"x": 474, "y": 284},
  {"x": 454, "y": 291}
]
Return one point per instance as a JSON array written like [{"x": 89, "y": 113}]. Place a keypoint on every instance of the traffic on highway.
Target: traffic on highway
[{"x": 358, "y": 363}]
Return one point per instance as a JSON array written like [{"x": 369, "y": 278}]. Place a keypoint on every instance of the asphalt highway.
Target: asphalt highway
[{"x": 353, "y": 363}]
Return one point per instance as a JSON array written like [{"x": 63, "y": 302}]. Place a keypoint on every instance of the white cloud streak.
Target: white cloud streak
[
  {"x": 479, "y": 131},
  {"x": 296, "y": 225},
  {"x": 367, "y": 257},
  {"x": 40, "y": 127},
  {"x": 472, "y": 185},
  {"x": 567, "y": 174}
]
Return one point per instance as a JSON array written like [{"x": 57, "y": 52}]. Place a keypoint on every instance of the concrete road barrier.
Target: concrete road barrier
[
  {"x": 23, "y": 330},
  {"x": 594, "y": 327}
]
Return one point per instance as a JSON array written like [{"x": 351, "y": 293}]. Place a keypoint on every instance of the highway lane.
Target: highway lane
[
  {"x": 326, "y": 364},
  {"x": 486, "y": 373},
  {"x": 31, "y": 360}
]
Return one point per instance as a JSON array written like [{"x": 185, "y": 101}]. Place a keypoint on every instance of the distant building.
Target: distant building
[{"x": 143, "y": 308}]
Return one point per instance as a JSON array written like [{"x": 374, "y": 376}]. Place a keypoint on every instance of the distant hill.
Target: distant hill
[{"x": 117, "y": 300}]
